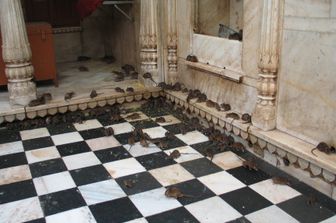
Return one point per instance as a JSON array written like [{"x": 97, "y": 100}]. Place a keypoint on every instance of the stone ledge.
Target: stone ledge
[
  {"x": 61, "y": 106},
  {"x": 319, "y": 172}
]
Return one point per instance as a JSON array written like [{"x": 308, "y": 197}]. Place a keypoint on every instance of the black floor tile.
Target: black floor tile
[
  {"x": 7, "y": 136},
  {"x": 37, "y": 143},
  {"x": 155, "y": 160},
  {"x": 61, "y": 128},
  {"x": 17, "y": 191},
  {"x": 123, "y": 138},
  {"x": 92, "y": 133},
  {"x": 303, "y": 212},
  {"x": 178, "y": 215},
  {"x": 141, "y": 182},
  {"x": 113, "y": 154},
  {"x": 247, "y": 176},
  {"x": 194, "y": 191},
  {"x": 47, "y": 167},
  {"x": 240, "y": 220},
  {"x": 40, "y": 220},
  {"x": 175, "y": 128},
  {"x": 246, "y": 200},
  {"x": 155, "y": 112},
  {"x": 90, "y": 174},
  {"x": 144, "y": 124},
  {"x": 123, "y": 210},
  {"x": 173, "y": 143},
  {"x": 11, "y": 160},
  {"x": 73, "y": 148},
  {"x": 208, "y": 145},
  {"x": 61, "y": 201},
  {"x": 105, "y": 121},
  {"x": 201, "y": 167}
]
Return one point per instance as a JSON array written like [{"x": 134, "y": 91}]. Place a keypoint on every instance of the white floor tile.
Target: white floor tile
[
  {"x": 11, "y": 148},
  {"x": 101, "y": 191},
  {"x": 270, "y": 214},
  {"x": 53, "y": 183},
  {"x": 121, "y": 128},
  {"x": 14, "y": 174},
  {"x": 193, "y": 137},
  {"x": 153, "y": 202},
  {"x": 81, "y": 160},
  {"x": 124, "y": 167},
  {"x": 172, "y": 174},
  {"x": 66, "y": 138},
  {"x": 330, "y": 220},
  {"x": 138, "y": 150},
  {"x": 34, "y": 133},
  {"x": 221, "y": 182},
  {"x": 274, "y": 192},
  {"x": 89, "y": 124},
  {"x": 102, "y": 143},
  {"x": 170, "y": 120},
  {"x": 78, "y": 215},
  {"x": 156, "y": 132},
  {"x": 139, "y": 220},
  {"x": 21, "y": 211},
  {"x": 213, "y": 210},
  {"x": 227, "y": 160},
  {"x": 187, "y": 154},
  {"x": 43, "y": 154}
]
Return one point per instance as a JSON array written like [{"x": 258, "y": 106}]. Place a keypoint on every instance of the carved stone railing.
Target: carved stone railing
[{"x": 172, "y": 41}]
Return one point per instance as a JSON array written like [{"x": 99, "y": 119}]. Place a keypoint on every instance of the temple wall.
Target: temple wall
[
  {"x": 307, "y": 77},
  {"x": 106, "y": 31},
  {"x": 240, "y": 56}
]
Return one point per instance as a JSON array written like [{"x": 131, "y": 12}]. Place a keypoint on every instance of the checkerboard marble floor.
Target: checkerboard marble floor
[{"x": 73, "y": 173}]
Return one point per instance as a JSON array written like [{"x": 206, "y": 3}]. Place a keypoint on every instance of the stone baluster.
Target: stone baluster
[
  {"x": 149, "y": 38},
  {"x": 172, "y": 41},
  {"x": 264, "y": 115},
  {"x": 16, "y": 53}
]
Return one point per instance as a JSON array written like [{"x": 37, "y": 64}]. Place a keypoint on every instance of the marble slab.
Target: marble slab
[
  {"x": 53, "y": 183},
  {"x": 187, "y": 154},
  {"x": 213, "y": 210},
  {"x": 34, "y": 133},
  {"x": 102, "y": 143},
  {"x": 227, "y": 160},
  {"x": 21, "y": 211},
  {"x": 172, "y": 174},
  {"x": 153, "y": 202},
  {"x": 81, "y": 160},
  {"x": 101, "y": 191},
  {"x": 124, "y": 167},
  {"x": 274, "y": 192},
  {"x": 82, "y": 215},
  {"x": 138, "y": 150},
  {"x": 66, "y": 138},
  {"x": 11, "y": 148},
  {"x": 271, "y": 214},
  {"x": 14, "y": 174},
  {"x": 39, "y": 155},
  {"x": 88, "y": 124}
]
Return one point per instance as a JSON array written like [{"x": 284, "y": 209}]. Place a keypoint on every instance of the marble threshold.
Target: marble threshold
[{"x": 277, "y": 143}]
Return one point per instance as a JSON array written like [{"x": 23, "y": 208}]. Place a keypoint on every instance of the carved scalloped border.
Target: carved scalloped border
[
  {"x": 258, "y": 144},
  {"x": 43, "y": 112}
]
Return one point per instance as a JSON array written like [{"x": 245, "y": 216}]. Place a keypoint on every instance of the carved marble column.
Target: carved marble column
[
  {"x": 172, "y": 41},
  {"x": 16, "y": 53},
  {"x": 264, "y": 115},
  {"x": 149, "y": 37}
]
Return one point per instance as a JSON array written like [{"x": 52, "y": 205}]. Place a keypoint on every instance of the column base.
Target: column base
[
  {"x": 21, "y": 93},
  {"x": 264, "y": 117}
]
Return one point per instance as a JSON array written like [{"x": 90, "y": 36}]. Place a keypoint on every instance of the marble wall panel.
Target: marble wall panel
[
  {"x": 236, "y": 14},
  {"x": 307, "y": 92},
  {"x": 333, "y": 9},
  {"x": 220, "y": 52},
  {"x": 307, "y": 8},
  {"x": 67, "y": 46},
  {"x": 211, "y": 13}
]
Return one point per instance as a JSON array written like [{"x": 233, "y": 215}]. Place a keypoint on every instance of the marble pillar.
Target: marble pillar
[
  {"x": 149, "y": 38},
  {"x": 172, "y": 41},
  {"x": 264, "y": 115},
  {"x": 16, "y": 53}
]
